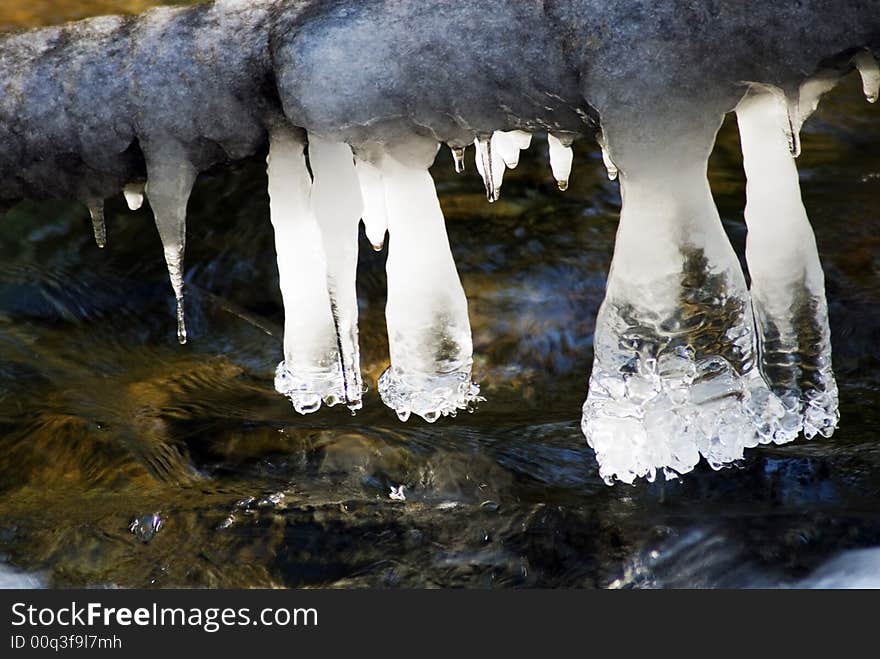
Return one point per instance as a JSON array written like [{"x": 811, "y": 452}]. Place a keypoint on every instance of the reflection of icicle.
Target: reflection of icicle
[
  {"x": 674, "y": 374},
  {"x": 338, "y": 206},
  {"x": 170, "y": 180},
  {"x": 134, "y": 195},
  {"x": 96, "y": 211},
  {"x": 375, "y": 216},
  {"x": 788, "y": 287},
  {"x": 429, "y": 332},
  {"x": 311, "y": 371},
  {"x": 490, "y": 165},
  {"x": 870, "y": 72},
  {"x": 561, "y": 158}
]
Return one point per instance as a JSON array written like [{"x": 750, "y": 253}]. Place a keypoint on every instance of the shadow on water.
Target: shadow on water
[{"x": 107, "y": 422}]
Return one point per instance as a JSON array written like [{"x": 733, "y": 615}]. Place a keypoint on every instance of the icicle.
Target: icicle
[
  {"x": 338, "y": 207},
  {"x": 134, "y": 195},
  {"x": 610, "y": 167},
  {"x": 96, "y": 211},
  {"x": 788, "y": 286},
  {"x": 870, "y": 73},
  {"x": 170, "y": 180},
  {"x": 311, "y": 371},
  {"x": 491, "y": 167},
  {"x": 458, "y": 158},
  {"x": 674, "y": 375},
  {"x": 561, "y": 158},
  {"x": 793, "y": 123},
  {"x": 429, "y": 332},
  {"x": 375, "y": 215},
  {"x": 811, "y": 92},
  {"x": 508, "y": 145}
]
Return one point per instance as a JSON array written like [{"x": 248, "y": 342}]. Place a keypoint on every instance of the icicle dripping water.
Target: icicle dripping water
[
  {"x": 429, "y": 331},
  {"x": 96, "y": 212},
  {"x": 337, "y": 205},
  {"x": 674, "y": 373},
  {"x": 490, "y": 166},
  {"x": 561, "y": 159},
  {"x": 311, "y": 371},
  {"x": 788, "y": 285},
  {"x": 170, "y": 178}
]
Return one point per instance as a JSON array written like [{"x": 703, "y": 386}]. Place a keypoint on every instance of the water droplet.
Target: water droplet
[{"x": 146, "y": 527}]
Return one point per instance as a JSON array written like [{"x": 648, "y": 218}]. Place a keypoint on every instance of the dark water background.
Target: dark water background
[{"x": 105, "y": 420}]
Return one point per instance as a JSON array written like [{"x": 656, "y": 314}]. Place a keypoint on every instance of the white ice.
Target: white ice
[
  {"x": 311, "y": 371},
  {"x": 429, "y": 331},
  {"x": 870, "y": 74},
  {"x": 134, "y": 195},
  {"x": 490, "y": 166},
  {"x": 375, "y": 215},
  {"x": 338, "y": 205},
  {"x": 561, "y": 159},
  {"x": 788, "y": 285}
]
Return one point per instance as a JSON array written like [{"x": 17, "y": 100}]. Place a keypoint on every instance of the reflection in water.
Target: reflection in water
[{"x": 108, "y": 422}]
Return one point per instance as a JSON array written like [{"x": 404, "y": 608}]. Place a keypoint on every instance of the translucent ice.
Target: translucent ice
[
  {"x": 311, "y": 371},
  {"x": 429, "y": 331},
  {"x": 134, "y": 195},
  {"x": 491, "y": 166},
  {"x": 337, "y": 205},
  {"x": 170, "y": 180},
  {"x": 508, "y": 144},
  {"x": 375, "y": 215},
  {"x": 788, "y": 286},
  {"x": 96, "y": 211}
]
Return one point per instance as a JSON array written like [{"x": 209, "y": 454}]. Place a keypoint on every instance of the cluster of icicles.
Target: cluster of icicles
[{"x": 682, "y": 370}]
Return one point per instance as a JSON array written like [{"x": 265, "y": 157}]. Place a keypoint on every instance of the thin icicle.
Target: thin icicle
[
  {"x": 458, "y": 158},
  {"x": 508, "y": 145},
  {"x": 610, "y": 167},
  {"x": 338, "y": 207},
  {"x": 375, "y": 215},
  {"x": 96, "y": 211},
  {"x": 170, "y": 181},
  {"x": 429, "y": 332},
  {"x": 311, "y": 371},
  {"x": 134, "y": 195},
  {"x": 870, "y": 72},
  {"x": 490, "y": 165},
  {"x": 793, "y": 124},
  {"x": 561, "y": 159}
]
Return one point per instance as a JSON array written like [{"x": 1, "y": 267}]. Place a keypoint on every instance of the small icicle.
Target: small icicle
[
  {"x": 561, "y": 158},
  {"x": 96, "y": 210},
  {"x": 613, "y": 172},
  {"x": 491, "y": 168},
  {"x": 170, "y": 180},
  {"x": 375, "y": 214},
  {"x": 870, "y": 72},
  {"x": 793, "y": 130},
  {"x": 134, "y": 195},
  {"x": 458, "y": 157},
  {"x": 508, "y": 144}
]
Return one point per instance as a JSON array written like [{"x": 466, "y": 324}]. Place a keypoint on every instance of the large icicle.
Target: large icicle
[
  {"x": 311, "y": 371},
  {"x": 337, "y": 204},
  {"x": 429, "y": 332},
  {"x": 170, "y": 178},
  {"x": 788, "y": 286},
  {"x": 674, "y": 373}
]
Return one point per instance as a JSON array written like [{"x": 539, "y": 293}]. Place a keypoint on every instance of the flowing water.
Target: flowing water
[{"x": 127, "y": 459}]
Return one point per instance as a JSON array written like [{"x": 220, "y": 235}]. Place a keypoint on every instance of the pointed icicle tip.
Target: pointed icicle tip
[
  {"x": 181, "y": 322},
  {"x": 793, "y": 131},
  {"x": 96, "y": 211},
  {"x": 869, "y": 71},
  {"x": 134, "y": 195},
  {"x": 458, "y": 158},
  {"x": 375, "y": 213},
  {"x": 561, "y": 159},
  {"x": 610, "y": 167}
]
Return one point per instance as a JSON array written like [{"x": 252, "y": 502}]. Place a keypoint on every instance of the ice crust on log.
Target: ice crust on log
[{"x": 688, "y": 362}]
